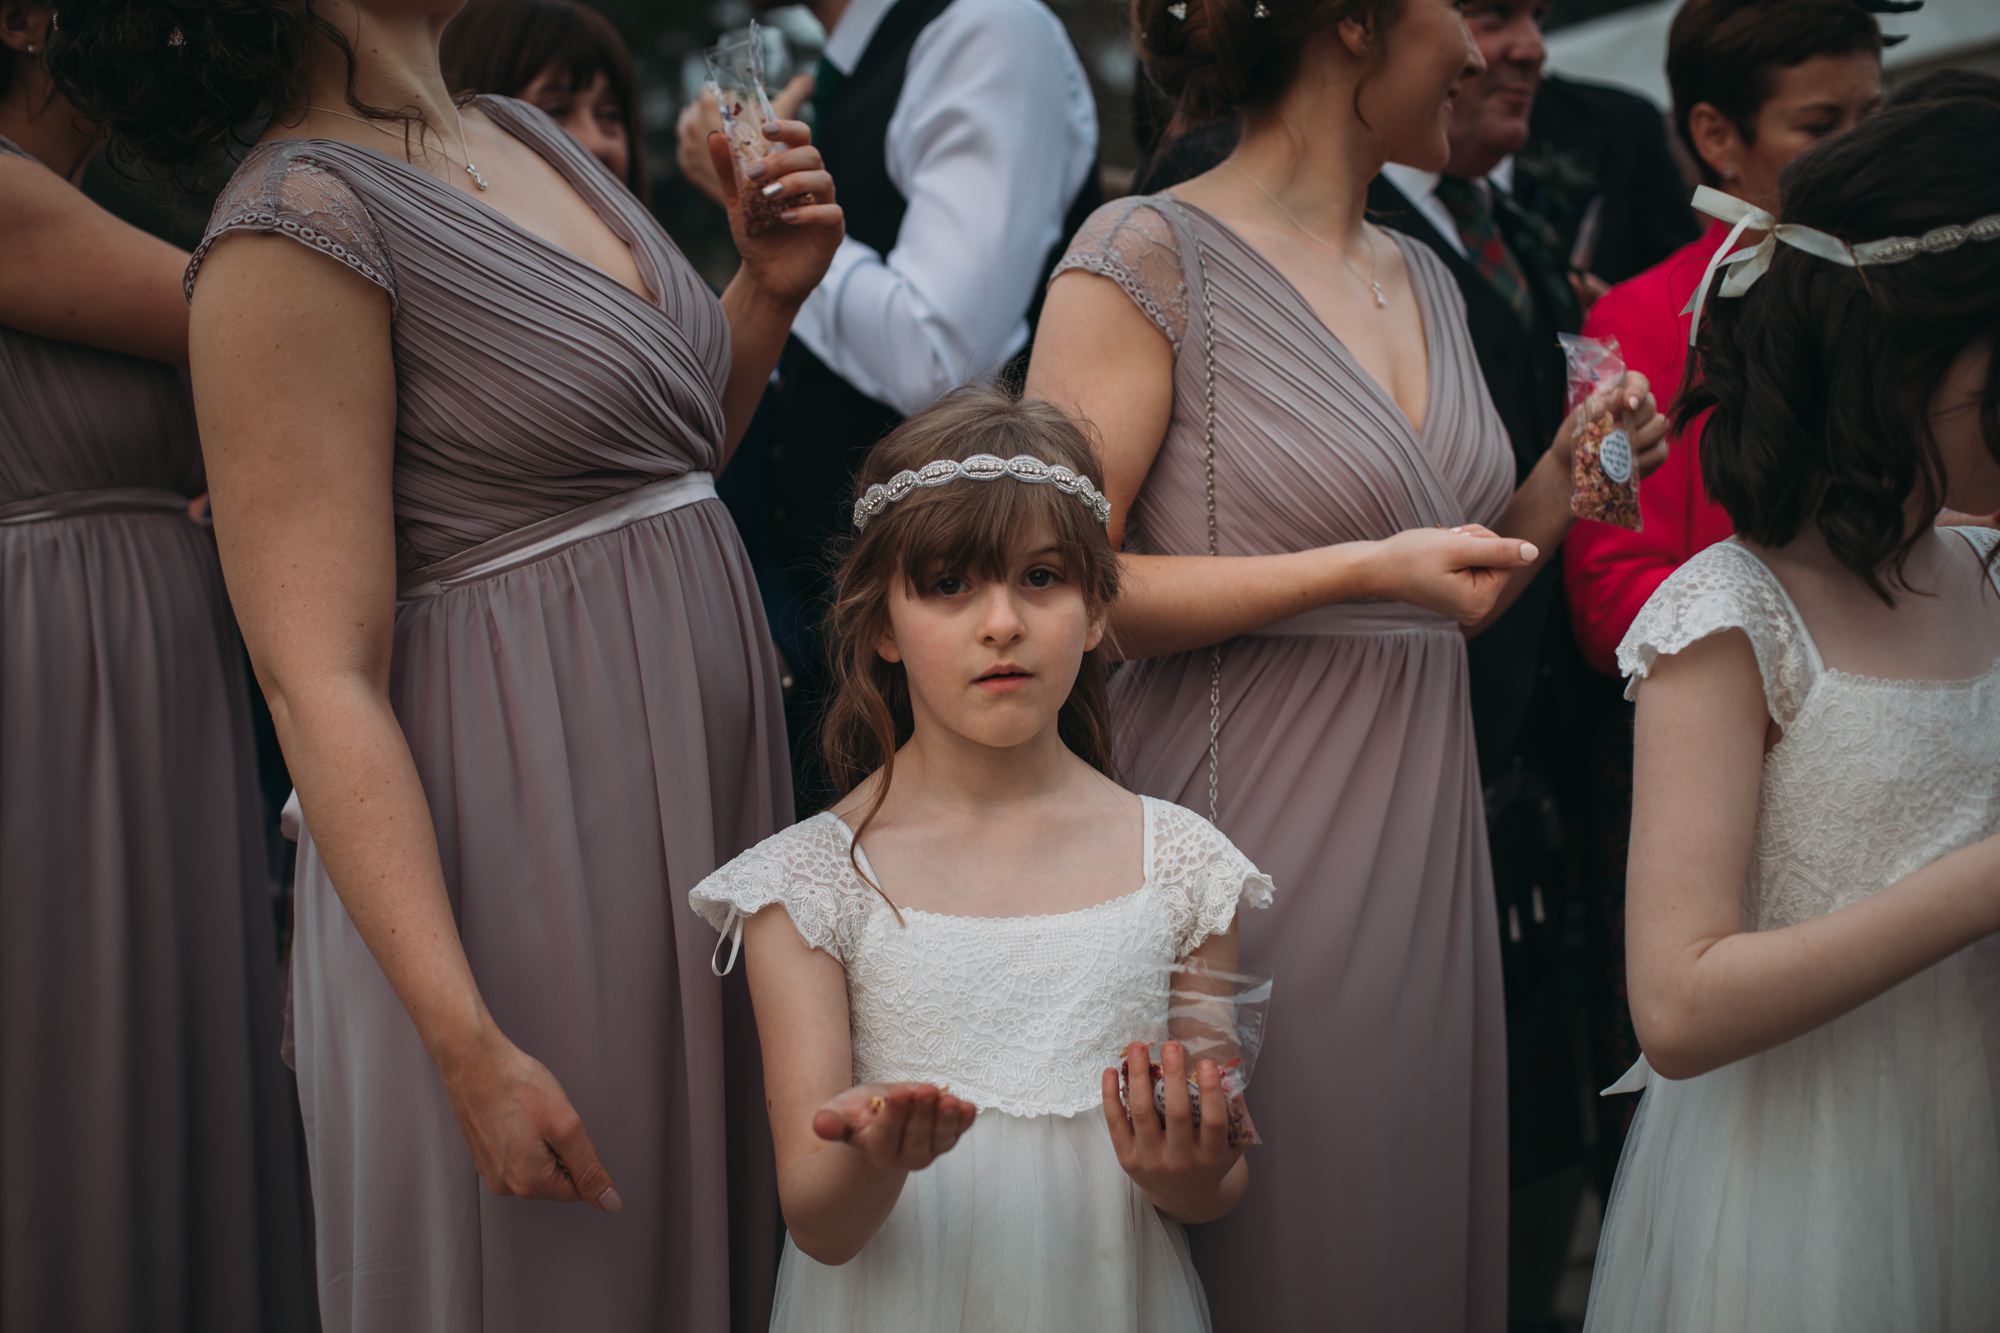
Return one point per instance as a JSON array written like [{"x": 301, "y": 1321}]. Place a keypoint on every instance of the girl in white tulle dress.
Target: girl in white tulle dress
[
  {"x": 985, "y": 924},
  {"x": 1815, "y": 873}
]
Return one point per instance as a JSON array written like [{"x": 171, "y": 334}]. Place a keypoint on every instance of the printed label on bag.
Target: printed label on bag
[{"x": 1615, "y": 454}]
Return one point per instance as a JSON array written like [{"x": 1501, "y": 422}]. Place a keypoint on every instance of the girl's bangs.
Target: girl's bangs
[{"x": 983, "y": 528}]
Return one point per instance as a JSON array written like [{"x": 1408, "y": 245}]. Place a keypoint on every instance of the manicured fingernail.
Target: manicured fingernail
[
  {"x": 1528, "y": 551},
  {"x": 771, "y": 190},
  {"x": 790, "y": 215},
  {"x": 755, "y": 171},
  {"x": 771, "y": 130},
  {"x": 609, "y": 1201}
]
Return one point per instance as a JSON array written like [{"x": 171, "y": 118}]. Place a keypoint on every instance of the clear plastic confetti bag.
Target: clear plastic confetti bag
[
  {"x": 1219, "y": 1016},
  {"x": 1604, "y": 476},
  {"x": 736, "y": 78}
]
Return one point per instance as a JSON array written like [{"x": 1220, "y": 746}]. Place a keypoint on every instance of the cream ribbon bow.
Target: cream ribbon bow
[{"x": 1747, "y": 265}]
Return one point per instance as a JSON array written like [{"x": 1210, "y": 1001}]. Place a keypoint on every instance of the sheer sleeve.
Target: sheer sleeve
[
  {"x": 1726, "y": 588},
  {"x": 803, "y": 869},
  {"x": 282, "y": 188},
  {"x": 1205, "y": 880},
  {"x": 1131, "y": 242}
]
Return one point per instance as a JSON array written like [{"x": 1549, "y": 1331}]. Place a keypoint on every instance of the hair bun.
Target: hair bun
[
  {"x": 1215, "y": 58},
  {"x": 173, "y": 82}
]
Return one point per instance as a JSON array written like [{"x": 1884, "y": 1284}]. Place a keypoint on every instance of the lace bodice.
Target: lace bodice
[
  {"x": 1017, "y": 1013},
  {"x": 1872, "y": 780}
]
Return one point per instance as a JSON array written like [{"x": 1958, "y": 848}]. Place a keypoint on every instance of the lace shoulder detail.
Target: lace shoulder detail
[
  {"x": 1722, "y": 588},
  {"x": 1983, "y": 541},
  {"x": 804, "y": 868},
  {"x": 1131, "y": 242},
  {"x": 285, "y": 188},
  {"x": 1203, "y": 879}
]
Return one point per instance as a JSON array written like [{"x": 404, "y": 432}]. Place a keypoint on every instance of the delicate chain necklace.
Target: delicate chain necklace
[
  {"x": 1372, "y": 280},
  {"x": 465, "y": 150}
]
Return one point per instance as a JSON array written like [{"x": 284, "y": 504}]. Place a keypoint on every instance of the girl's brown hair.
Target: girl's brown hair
[{"x": 966, "y": 527}]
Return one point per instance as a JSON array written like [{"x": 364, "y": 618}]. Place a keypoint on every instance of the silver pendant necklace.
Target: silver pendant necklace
[
  {"x": 1372, "y": 281},
  {"x": 478, "y": 177}
]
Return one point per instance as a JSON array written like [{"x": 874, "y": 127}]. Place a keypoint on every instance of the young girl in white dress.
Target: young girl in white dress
[
  {"x": 1815, "y": 872},
  {"x": 983, "y": 925}
]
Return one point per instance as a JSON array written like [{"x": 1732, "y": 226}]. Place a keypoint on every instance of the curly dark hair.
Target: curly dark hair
[
  {"x": 1220, "y": 59},
  {"x": 1821, "y": 377},
  {"x": 176, "y": 83}
]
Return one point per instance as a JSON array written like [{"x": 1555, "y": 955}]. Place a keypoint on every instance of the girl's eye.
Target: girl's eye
[
  {"x": 1043, "y": 577},
  {"x": 949, "y": 586}
]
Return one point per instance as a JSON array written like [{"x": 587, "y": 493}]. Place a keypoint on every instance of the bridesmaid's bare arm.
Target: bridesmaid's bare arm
[
  {"x": 295, "y": 390},
  {"x": 75, "y": 273},
  {"x": 1705, "y": 991},
  {"x": 843, "y": 1152},
  {"x": 1099, "y": 358}
]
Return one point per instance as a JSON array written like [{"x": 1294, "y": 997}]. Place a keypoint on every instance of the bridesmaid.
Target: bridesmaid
[
  {"x": 1355, "y": 459},
  {"x": 462, "y": 402},
  {"x": 146, "y": 1126}
]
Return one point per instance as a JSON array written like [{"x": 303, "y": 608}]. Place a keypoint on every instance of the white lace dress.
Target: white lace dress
[
  {"x": 1847, "y": 1181},
  {"x": 1029, "y": 1223}
]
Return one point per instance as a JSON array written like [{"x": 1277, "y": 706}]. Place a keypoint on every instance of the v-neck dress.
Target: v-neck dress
[
  {"x": 597, "y": 727},
  {"x": 148, "y": 1138},
  {"x": 1348, "y": 773}
]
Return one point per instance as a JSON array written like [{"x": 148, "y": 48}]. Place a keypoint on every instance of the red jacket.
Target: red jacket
[{"x": 1609, "y": 573}]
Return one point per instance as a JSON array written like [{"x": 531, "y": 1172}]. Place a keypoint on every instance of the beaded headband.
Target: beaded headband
[
  {"x": 1747, "y": 265},
  {"x": 981, "y": 467}
]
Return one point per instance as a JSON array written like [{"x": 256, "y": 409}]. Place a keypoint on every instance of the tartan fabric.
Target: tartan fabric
[{"x": 1472, "y": 210}]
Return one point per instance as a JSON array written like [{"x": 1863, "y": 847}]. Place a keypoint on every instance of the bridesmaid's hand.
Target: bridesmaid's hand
[
  {"x": 785, "y": 261},
  {"x": 526, "y": 1139},
  {"x": 896, "y": 1126},
  {"x": 1178, "y": 1165},
  {"x": 1457, "y": 572},
  {"x": 1632, "y": 398}
]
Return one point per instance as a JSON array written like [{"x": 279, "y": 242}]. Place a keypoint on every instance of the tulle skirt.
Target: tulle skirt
[
  {"x": 1028, "y": 1225},
  {"x": 1845, "y": 1182}
]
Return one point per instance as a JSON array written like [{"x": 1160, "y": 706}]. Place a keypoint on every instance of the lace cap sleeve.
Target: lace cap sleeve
[
  {"x": 283, "y": 188},
  {"x": 1725, "y": 588},
  {"x": 1131, "y": 242},
  {"x": 1203, "y": 877},
  {"x": 805, "y": 870}
]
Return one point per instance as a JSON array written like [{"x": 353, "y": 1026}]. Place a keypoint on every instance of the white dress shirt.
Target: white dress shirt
[
  {"x": 1420, "y": 188},
  {"x": 991, "y": 138}
]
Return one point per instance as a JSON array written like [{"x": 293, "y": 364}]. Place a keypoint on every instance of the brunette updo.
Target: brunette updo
[
  {"x": 175, "y": 82},
  {"x": 1821, "y": 377},
  {"x": 1222, "y": 60}
]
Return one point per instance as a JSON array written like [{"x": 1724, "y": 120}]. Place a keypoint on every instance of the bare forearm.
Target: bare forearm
[
  {"x": 371, "y": 825},
  {"x": 1722, "y": 999},
  {"x": 1175, "y": 603},
  {"x": 1538, "y": 513},
  {"x": 758, "y": 326},
  {"x": 835, "y": 1201}
]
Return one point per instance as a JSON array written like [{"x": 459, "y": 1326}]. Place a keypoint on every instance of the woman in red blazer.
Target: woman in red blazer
[{"x": 1755, "y": 83}]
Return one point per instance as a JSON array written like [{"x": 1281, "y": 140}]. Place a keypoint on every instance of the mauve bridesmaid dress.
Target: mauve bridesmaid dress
[
  {"x": 583, "y": 672},
  {"x": 1348, "y": 774},
  {"x": 148, "y": 1144}
]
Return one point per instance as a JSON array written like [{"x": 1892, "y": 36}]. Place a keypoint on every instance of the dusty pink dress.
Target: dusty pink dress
[
  {"x": 1348, "y": 774},
  {"x": 148, "y": 1142},
  {"x": 583, "y": 672}
]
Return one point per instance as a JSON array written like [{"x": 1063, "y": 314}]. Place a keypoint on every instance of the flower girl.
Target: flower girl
[
  {"x": 1815, "y": 868},
  {"x": 984, "y": 923}
]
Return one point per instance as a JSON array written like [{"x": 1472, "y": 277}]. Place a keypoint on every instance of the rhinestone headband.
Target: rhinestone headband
[
  {"x": 1747, "y": 265},
  {"x": 981, "y": 467}
]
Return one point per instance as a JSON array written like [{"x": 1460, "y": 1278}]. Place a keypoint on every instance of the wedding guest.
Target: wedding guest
[
  {"x": 562, "y": 56},
  {"x": 1306, "y": 549},
  {"x": 965, "y": 137},
  {"x": 146, "y": 1123},
  {"x": 885, "y": 937},
  {"x": 1815, "y": 882},
  {"x": 461, "y": 401}
]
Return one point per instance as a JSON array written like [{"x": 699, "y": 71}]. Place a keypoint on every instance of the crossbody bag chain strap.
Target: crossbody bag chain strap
[{"x": 1214, "y": 545}]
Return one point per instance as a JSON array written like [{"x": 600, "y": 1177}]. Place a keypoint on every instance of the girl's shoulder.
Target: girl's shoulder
[
  {"x": 805, "y": 869},
  {"x": 1725, "y": 587},
  {"x": 1203, "y": 877}
]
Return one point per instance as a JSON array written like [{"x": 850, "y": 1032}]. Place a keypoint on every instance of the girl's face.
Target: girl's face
[
  {"x": 590, "y": 115},
  {"x": 1972, "y": 474},
  {"x": 992, "y": 660},
  {"x": 1408, "y": 101}
]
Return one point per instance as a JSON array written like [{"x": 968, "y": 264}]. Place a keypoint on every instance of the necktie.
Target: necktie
[{"x": 1473, "y": 212}]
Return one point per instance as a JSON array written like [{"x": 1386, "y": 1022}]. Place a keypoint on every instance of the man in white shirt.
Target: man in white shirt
[{"x": 962, "y": 139}]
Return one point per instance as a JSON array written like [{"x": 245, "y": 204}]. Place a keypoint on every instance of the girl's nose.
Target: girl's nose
[{"x": 1000, "y": 618}]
